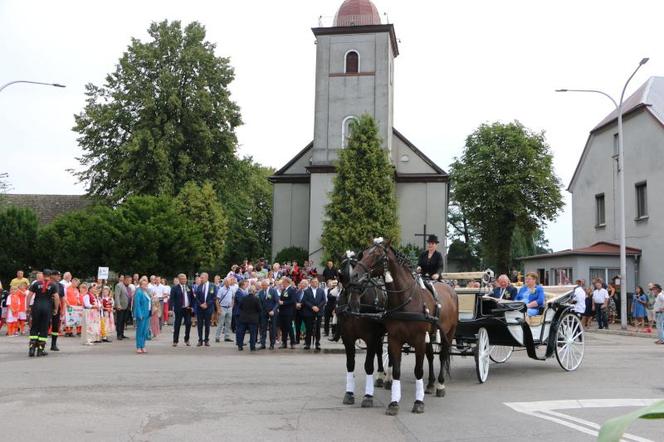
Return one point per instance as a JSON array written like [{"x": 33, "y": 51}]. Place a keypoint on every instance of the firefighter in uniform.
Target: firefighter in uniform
[
  {"x": 45, "y": 296},
  {"x": 55, "y": 320}
]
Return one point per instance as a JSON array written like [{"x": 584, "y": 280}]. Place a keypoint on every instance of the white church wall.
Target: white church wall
[
  {"x": 321, "y": 186},
  {"x": 420, "y": 204},
  {"x": 413, "y": 163},
  {"x": 290, "y": 220}
]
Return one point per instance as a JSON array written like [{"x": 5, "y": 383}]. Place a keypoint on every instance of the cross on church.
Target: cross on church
[{"x": 424, "y": 235}]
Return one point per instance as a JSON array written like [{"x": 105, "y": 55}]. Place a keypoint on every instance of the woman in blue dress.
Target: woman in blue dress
[
  {"x": 141, "y": 312},
  {"x": 639, "y": 302},
  {"x": 532, "y": 294}
]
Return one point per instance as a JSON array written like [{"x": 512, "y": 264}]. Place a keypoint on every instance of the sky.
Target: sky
[{"x": 461, "y": 64}]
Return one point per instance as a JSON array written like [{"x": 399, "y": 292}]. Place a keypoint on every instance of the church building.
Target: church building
[{"x": 355, "y": 61}]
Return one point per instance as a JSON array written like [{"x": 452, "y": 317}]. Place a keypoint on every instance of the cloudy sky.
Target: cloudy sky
[{"x": 461, "y": 64}]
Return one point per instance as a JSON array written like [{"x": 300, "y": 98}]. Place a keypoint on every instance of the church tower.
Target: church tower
[{"x": 354, "y": 75}]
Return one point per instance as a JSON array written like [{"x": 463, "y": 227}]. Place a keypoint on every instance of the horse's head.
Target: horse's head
[{"x": 372, "y": 263}]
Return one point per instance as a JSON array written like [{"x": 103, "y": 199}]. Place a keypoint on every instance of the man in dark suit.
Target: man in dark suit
[
  {"x": 287, "y": 312},
  {"x": 269, "y": 300},
  {"x": 250, "y": 310},
  {"x": 182, "y": 302},
  {"x": 299, "y": 317},
  {"x": 205, "y": 295},
  {"x": 313, "y": 309}
]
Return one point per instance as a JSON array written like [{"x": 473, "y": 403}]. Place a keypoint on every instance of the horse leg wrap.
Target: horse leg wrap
[
  {"x": 396, "y": 391},
  {"x": 419, "y": 390},
  {"x": 369, "y": 386},
  {"x": 350, "y": 382}
]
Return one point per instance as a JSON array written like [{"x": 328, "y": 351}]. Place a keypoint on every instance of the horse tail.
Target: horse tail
[{"x": 445, "y": 352}]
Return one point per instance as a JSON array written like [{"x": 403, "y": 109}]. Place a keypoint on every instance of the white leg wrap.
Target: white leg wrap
[
  {"x": 419, "y": 390},
  {"x": 396, "y": 391},
  {"x": 369, "y": 386},
  {"x": 440, "y": 386},
  {"x": 350, "y": 382},
  {"x": 388, "y": 375},
  {"x": 381, "y": 375}
]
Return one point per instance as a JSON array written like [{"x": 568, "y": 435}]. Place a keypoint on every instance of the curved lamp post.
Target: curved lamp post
[
  {"x": 621, "y": 173},
  {"x": 31, "y": 82}
]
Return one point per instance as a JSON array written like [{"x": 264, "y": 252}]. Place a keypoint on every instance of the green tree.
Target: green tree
[
  {"x": 163, "y": 118},
  {"x": 199, "y": 204},
  {"x": 18, "y": 236},
  {"x": 363, "y": 202},
  {"x": 505, "y": 179},
  {"x": 292, "y": 254}
]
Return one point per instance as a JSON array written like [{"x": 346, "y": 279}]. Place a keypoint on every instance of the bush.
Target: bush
[{"x": 292, "y": 254}]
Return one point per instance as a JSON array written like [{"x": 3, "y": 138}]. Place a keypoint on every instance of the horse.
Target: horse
[
  {"x": 413, "y": 315},
  {"x": 354, "y": 322}
]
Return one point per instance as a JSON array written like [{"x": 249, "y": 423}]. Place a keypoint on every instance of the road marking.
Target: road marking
[{"x": 546, "y": 410}]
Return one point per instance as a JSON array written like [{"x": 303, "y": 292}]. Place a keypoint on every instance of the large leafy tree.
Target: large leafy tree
[
  {"x": 18, "y": 236},
  {"x": 163, "y": 118},
  {"x": 505, "y": 180},
  {"x": 199, "y": 204},
  {"x": 363, "y": 202}
]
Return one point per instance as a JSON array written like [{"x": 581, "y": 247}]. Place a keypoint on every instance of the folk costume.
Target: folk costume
[
  {"x": 16, "y": 312},
  {"x": 91, "y": 330}
]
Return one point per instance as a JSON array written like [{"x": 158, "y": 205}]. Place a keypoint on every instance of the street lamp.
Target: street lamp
[
  {"x": 31, "y": 82},
  {"x": 621, "y": 173}
]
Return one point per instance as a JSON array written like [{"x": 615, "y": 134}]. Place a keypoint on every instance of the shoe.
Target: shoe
[
  {"x": 292, "y": 347},
  {"x": 187, "y": 344},
  {"x": 318, "y": 348},
  {"x": 263, "y": 347},
  {"x": 239, "y": 348},
  {"x": 252, "y": 349},
  {"x": 207, "y": 344},
  {"x": 283, "y": 346},
  {"x": 228, "y": 340},
  {"x": 200, "y": 344},
  {"x": 54, "y": 348},
  {"x": 175, "y": 344},
  {"x": 32, "y": 349},
  {"x": 217, "y": 340},
  {"x": 307, "y": 347},
  {"x": 271, "y": 347}
]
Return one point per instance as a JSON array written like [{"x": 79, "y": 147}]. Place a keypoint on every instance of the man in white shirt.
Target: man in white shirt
[
  {"x": 659, "y": 311},
  {"x": 600, "y": 304},
  {"x": 580, "y": 297}
]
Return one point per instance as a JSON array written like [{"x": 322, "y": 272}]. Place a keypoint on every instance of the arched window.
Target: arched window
[
  {"x": 352, "y": 62},
  {"x": 346, "y": 129}
]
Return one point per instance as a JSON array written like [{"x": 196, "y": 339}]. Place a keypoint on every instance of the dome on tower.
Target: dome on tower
[{"x": 357, "y": 13}]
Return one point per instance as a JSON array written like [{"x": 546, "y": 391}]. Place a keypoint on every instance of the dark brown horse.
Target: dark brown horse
[
  {"x": 412, "y": 317},
  {"x": 355, "y": 321}
]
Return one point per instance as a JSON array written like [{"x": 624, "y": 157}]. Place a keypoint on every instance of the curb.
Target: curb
[{"x": 621, "y": 333}]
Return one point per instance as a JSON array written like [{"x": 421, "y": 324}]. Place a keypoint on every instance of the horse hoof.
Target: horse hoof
[
  {"x": 388, "y": 385},
  {"x": 379, "y": 383},
  {"x": 367, "y": 402},
  {"x": 392, "y": 409},
  {"x": 349, "y": 399},
  {"x": 440, "y": 392},
  {"x": 418, "y": 407},
  {"x": 431, "y": 389}
]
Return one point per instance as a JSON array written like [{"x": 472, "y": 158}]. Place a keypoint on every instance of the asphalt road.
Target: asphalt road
[{"x": 107, "y": 392}]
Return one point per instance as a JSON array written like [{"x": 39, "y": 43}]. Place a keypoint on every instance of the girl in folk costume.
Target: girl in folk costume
[
  {"x": 16, "y": 310},
  {"x": 73, "y": 309},
  {"x": 91, "y": 321},
  {"x": 156, "y": 315},
  {"x": 107, "y": 321}
]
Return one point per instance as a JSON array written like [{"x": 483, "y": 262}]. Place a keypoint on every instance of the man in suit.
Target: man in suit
[
  {"x": 299, "y": 318},
  {"x": 205, "y": 296},
  {"x": 250, "y": 310},
  {"x": 313, "y": 309},
  {"x": 121, "y": 301},
  {"x": 269, "y": 300},
  {"x": 182, "y": 301},
  {"x": 287, "y": 312}
]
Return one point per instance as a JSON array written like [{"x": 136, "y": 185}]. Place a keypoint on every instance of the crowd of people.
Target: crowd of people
[{"x": 275, "y": 305}]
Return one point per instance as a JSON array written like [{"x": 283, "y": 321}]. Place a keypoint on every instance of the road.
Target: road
[{"x": 108, "y": 393}]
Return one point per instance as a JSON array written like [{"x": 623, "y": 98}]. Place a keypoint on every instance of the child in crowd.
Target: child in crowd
[
  {"x": 587, "y": 316},
  {"x": 107, "y": 324},
  {"x": 16, "y": 310}
]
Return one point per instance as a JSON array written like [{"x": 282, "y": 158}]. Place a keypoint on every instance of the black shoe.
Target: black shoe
[
  {"x": 207, "y": 344},
  {"x": 292, "y": 346},
  {"x": 318, "y": 348},
  {"x": 263, "y": 347},
  {"x": 54, "y": 347},
  {"x": 239, "y": 348},
  {"x": 283, "y": 346},
  {"x": 252, "y": 349},
  {"x": 217, "y": 340},
  {"x": 307, "y": 347},
  {"x": 228, "y": 340},
  {"x": 200, "y": 344},
  {"x": 187, "y": 343},
  {"x": 32, "y": 349}
]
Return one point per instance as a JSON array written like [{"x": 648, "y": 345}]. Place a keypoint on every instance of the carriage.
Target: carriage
[{"x": 490, "y": 329}]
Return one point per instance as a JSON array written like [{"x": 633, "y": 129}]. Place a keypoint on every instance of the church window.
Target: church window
[
  {"x": 352, "y": 62},
  {"x": 346, "y": 129}
]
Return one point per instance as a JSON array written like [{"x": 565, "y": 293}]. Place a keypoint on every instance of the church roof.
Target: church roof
[
  {"x": 48, "y": 207},
  {"x": 648, "y": 97},
  {"x": 357, "y": 13},
  {"x": 283, "y": 175},
  {"x": 601, "y": 248}
]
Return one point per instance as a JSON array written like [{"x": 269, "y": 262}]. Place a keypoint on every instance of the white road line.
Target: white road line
[{"x": 545, "y": 410}]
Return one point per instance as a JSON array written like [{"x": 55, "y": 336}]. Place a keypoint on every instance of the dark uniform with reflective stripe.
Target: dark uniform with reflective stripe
[
  {"x": 41, "y": 314},
  {"x": 55, "y": 319}
]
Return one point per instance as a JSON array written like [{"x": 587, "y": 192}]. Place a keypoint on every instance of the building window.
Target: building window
[
  {"x": 600, "y": 211},
  {"x": 561, "y": 276},
  {"x": 346, "y": 129},
  {"x": 641, "y": 200},
  {"x": 352, "y": 62}
]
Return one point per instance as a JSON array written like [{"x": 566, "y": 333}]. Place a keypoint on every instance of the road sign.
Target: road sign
[{"x": 102, "y": 273}]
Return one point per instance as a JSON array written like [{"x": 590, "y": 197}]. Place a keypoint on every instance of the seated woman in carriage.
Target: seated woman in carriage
[{"x": 532, "y": 294}]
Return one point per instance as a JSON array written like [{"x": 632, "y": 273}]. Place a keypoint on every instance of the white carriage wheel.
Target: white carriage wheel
[
  {"x": 482, "y": 355},
  {"x": 500, "y": 353},
  {"x": 569, "y": 342}
]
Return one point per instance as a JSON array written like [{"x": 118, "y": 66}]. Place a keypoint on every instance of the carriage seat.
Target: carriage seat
[{"x": 466, "y": 304}]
